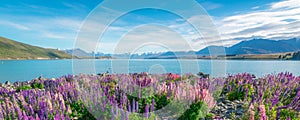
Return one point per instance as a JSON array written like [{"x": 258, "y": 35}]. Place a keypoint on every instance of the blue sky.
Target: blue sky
[{"x": 55, "y": 23}]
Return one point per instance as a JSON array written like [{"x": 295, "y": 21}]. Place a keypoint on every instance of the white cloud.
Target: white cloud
[
  {"x": 279, "y": 21},
  {"x": 255, "y": 7},
  {"x": 210, "y": 5},
  {"x": 15, "y": 25},
  {"x": 285, "y": 4}
]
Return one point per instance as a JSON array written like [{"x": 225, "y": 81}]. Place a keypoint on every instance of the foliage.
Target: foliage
[
  {"x": 80, "y": 112},
  {"x": 195, "y": 112},
  {"x": 25, "y": 87},
  {"x": 235, "y": 95},
  {"x": 37, "y": 85},
  {"x": 78, "y": 97}
]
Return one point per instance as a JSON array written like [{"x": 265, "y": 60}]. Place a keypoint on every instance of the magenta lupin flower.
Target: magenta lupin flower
[
  {"x": 24, "y": 116},
  {"x": 57, "y": 116},
  {"x": 37, "y": 117}
]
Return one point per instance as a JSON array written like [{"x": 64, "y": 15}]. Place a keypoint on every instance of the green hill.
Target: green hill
[{"x": 10, "y": 49}]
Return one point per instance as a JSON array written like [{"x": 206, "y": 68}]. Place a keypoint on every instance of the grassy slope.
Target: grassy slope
[
  {"x": 296, "y": 56},
  {"x": 10, "y": 49},
  {"x": 282, "y": 56},
  {"x": 275, "y": 56}
]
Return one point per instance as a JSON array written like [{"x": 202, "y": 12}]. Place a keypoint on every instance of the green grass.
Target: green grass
[{"x": 10, "y": 49}]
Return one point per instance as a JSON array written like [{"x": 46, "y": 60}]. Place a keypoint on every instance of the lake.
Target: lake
[{"x": 24, "y": 70}]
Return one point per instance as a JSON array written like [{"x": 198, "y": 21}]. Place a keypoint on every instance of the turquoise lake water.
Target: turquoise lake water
[{"x": 24, "y": 70}]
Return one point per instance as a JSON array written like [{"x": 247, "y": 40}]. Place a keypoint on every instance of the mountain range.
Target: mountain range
[
  {"x": 246, "y": 47},
  {"x": 257, "y": 46},
  {"x": 10, "y": 49}
]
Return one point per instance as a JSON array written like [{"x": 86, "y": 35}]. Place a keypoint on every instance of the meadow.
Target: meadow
[{"x": 155, "y": 96}]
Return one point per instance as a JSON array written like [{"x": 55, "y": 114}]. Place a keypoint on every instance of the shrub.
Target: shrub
[
  {"x": 25, "y": 87},
  {"x": 37, "y": 85},
  {"x": 79, "y": 111},
  {"x": 234, "y": 95},
  {"x": 196, "y": 111}
]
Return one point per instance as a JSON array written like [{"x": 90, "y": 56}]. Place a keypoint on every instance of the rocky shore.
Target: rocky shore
[{"x": 226, "y": 109}]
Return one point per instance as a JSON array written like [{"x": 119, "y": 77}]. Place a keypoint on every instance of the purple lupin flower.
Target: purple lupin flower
[
  {"x": 133, "y": 105},
  {"x": 20, "y": 114},
  {"x": 30, "y": 118},
  {"x": 1, "y": 112},
  {"x": 122, "y": 114},
  {"x": 112, "y": 113},
  {"x": 137, "y": 106},
  {"x": 103, "y": 106},
  {"x": 127, "y": 115},
  {"x": 67, "y": 118},
  {"x": 147, "y": 111},
  {"x": 117, "y": 109},
  {"x": 129, "y": 107},
  {"x": 152, "y": 105},
  {"x": 278, "y": 114},
  {"x": 246, "y": 95}
]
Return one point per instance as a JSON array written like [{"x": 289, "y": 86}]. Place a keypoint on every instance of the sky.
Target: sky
[{"x": 56, "y": 24}]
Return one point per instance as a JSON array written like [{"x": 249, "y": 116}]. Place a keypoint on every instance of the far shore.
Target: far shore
[{"x": 214, "y": 58}]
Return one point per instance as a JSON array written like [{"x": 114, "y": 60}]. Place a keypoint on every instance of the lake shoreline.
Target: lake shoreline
[
  {"x": 21, "y": 70},
  {"x": 163, "y": 58}
]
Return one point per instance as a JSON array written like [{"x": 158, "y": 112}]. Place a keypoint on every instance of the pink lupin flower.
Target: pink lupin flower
[
  {"x": 37, "y": 117},
  {"x": 252, "y": 113},
  {"x": 62, "y": 117},
  {"x": 204, "y": 93},
  {"x": 49, "y": 104},
  {"x": 262, "y": 112},
  {"x": 25, "y": 116},
  {"x": 69, "y": 109}
]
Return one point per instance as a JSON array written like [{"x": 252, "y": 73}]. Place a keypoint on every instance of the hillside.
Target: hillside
[
  {"x": 264, "y": 46},
  {"x": 218, "y": 50},
  {"x": 10, "y": 49},
  {"x": 256, "y": 46},
  {"x": 78, "y": 52}
]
